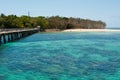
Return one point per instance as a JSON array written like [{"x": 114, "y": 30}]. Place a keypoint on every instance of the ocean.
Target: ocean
[{"x": 62, "y": 56}]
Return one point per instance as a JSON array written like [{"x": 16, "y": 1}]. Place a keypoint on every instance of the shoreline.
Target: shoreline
[{"x": 91, "y": 30}]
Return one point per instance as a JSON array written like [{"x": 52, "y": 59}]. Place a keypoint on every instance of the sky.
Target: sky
[{"x": 104, "y": 10}]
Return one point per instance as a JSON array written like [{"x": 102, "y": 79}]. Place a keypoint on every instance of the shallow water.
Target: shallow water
[{"x": 62, "y": 56}]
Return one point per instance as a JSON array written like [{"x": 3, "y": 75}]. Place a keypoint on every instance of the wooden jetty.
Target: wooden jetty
[{"x": 15, "y": 34}]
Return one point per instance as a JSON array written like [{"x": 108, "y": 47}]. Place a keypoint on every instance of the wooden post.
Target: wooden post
[
  {"x": 9, "y": 38},
  {"x": 0, "y": 39},
  {"x": 4, "y": 38},
  {"x": 12, "y": 37},
  {"x": 17, "y": 35}
]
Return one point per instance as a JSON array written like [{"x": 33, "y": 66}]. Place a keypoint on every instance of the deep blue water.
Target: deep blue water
[{"x": 62, "y": 56}]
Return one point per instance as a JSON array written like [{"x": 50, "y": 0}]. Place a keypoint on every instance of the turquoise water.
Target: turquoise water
[{"x": 62, "y": 56}]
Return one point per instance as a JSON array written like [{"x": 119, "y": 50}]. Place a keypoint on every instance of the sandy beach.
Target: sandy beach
[{"x": 91, "y": 30}]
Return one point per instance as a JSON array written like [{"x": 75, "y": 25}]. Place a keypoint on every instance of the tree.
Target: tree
[
  {"x": 25, "y": 21},
  {"x": 2, "y": 21},
  {"x": 53, "y": 22},
  {"x": 42, "y": 22}
]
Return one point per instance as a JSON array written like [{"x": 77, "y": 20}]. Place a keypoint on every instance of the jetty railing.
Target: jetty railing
[
  {"x": 9, "y": 35},
  {"x": 15, "y": 29}
]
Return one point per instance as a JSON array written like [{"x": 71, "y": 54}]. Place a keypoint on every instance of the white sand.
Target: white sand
[{"x": 91, "y": 30}]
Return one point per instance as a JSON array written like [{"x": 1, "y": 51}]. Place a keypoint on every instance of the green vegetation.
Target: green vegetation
[{"x": 54, "y": 22}]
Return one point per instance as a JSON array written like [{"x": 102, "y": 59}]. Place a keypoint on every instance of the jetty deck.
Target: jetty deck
[{"x": 8, "y": 35}]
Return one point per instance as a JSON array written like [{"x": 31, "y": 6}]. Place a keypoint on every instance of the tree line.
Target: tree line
[{"x": 53, "y": 22}]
